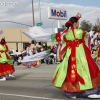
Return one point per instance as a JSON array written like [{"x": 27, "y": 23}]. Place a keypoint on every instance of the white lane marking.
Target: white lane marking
[{"x": 26, "y": 96}]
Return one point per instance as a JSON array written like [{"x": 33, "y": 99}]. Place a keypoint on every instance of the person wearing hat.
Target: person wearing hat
[
  {"x": 77, "y": 74},
  {"x": 6, "y": 63}
]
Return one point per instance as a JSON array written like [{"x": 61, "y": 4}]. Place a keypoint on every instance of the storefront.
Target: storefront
[{"x": 16, "y": 40}]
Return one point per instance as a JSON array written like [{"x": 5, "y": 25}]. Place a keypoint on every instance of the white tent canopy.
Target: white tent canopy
[{"x": 38, "y": 33}]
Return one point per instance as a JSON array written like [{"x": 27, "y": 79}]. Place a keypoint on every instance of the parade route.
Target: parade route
[
  {"x": 26, "y": 96},
  {"x": 32, "y": 84}
]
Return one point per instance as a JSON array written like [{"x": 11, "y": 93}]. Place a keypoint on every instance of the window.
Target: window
[{"x": 25, "y": 45}]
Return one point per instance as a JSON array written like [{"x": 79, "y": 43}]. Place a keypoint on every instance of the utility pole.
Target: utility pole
[
  {"x": 39, "y": 11},
  {"x": 52, "y": 26},
  {"x": 33, "y": 13}
]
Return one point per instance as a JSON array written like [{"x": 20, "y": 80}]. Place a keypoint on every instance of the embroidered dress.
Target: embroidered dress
[
  {"x": 98, "y": 55},
  {"x": 6, "y": 64},
  {"x": 78, "y": 71},
  {"x": 33, "y": 60},
  {"x": 27, "y": 63}
]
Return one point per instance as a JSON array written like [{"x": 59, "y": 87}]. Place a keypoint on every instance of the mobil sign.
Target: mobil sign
[{"x": 57, "y": 13}]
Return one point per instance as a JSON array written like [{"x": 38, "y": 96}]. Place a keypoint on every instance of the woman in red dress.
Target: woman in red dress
[
  {"x": 77, "y": 74},
  {"x": 6, "y": 64}
]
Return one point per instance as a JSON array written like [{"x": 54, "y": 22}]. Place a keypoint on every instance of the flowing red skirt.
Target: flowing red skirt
[
  {"x": 6, "y": 69},
  {"x": 94, "y": 74}
]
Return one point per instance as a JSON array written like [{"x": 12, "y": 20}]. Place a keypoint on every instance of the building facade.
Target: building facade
[{"x": 16, "y": 40}]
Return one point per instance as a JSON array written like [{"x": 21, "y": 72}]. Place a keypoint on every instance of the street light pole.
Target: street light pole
[
  {"x": 52, "y": 29},
  {"x": 33, "y": 13},
  {"x": 39, "y": 11},
  {"x": 52, "y": 25}
]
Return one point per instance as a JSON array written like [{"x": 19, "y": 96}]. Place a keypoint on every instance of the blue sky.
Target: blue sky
[
  {"x": 90, "y": 10},
  {"x": 78, "y": 2}
]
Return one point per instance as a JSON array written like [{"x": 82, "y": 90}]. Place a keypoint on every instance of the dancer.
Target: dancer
[
  {"x": 33, "y": 60},
  {"x": 6, "y": 64},
  {"x": 97, "y": 43},
  {"x": 77, "y": 74},
  {"x": 98, "y": 48},
  {"x": 94, "y": 52},
  {"x": 28, "y": 61},
  {"x": 29, "y": 50}
]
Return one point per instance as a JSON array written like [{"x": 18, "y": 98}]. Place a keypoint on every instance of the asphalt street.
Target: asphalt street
[{"x": 32, "y": 84}]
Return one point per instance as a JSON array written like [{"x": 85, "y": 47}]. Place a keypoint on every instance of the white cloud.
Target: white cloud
[{"x": 23, "y": 13}]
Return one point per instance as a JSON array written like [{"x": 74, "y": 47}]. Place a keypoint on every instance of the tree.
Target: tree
[
  {"x": 86, "y": 25},
  {"x": 98, "y": 22},
  {"x": 96, "y": 27},
  {"x": 63, "y": 27}
]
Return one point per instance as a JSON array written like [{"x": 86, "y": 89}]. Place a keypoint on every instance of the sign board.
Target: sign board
[
  {"x": 57, "y": 13},
  {"x": 39, "y": 24}
]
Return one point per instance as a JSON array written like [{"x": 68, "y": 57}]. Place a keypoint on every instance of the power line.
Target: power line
[{"x": 17, "y": 23}]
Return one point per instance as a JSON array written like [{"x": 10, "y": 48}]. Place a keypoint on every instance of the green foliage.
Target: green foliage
[
  {"x": 63, "y": 27},
  {"x": 86, "y": 25},
  {"x": 97, "y": 22}
]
